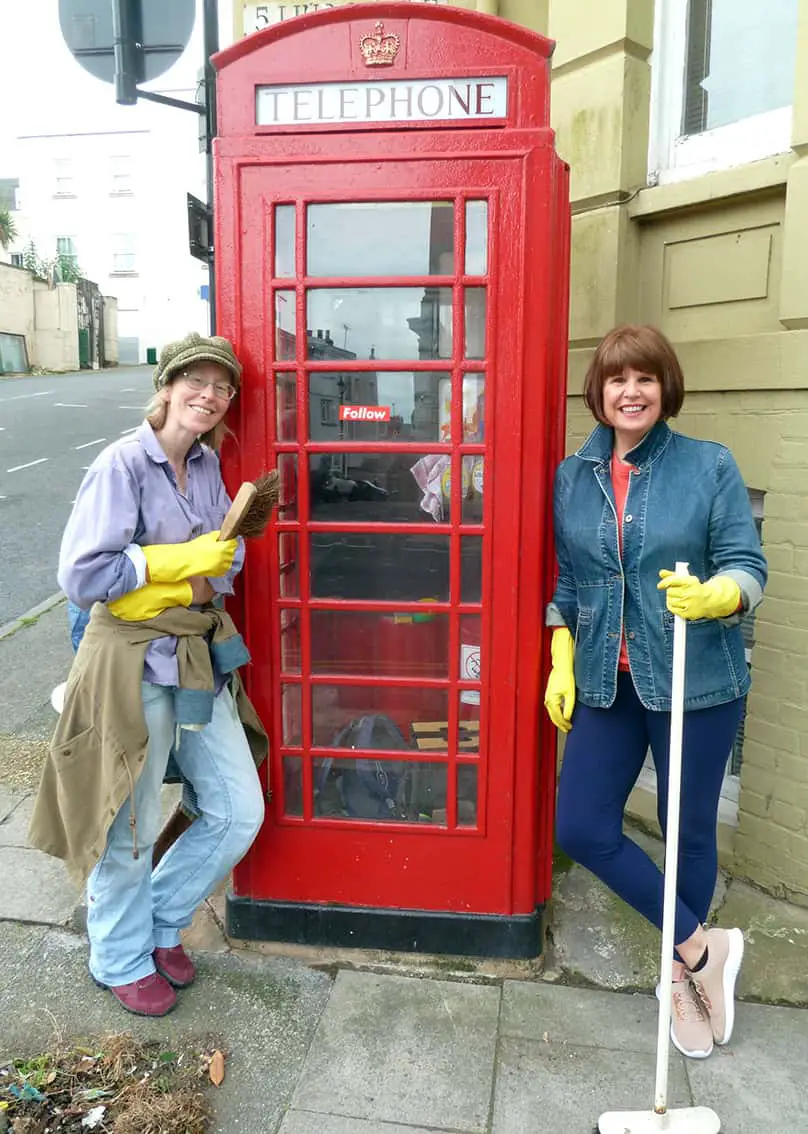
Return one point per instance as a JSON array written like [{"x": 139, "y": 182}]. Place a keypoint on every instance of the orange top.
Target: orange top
[{"x": 620, "y": 477}]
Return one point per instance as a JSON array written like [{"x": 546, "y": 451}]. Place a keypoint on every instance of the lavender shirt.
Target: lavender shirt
[{"x": 130, "y": 499}]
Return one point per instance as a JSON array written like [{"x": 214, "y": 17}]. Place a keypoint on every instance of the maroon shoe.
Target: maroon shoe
[
  {"x": 151, "y": 996},
  {"x": 175, "y": 965}
]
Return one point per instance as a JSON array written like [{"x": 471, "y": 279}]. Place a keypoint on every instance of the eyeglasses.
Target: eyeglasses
[{"x": 223, "y": 390}]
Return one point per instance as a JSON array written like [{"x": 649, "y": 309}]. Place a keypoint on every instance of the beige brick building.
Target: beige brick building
[{"x": 685, "y": 123}]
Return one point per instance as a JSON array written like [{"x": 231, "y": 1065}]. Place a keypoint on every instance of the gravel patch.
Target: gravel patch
[{"x": 21, "y": 761}]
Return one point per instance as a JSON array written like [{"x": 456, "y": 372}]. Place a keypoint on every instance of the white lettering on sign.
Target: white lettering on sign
[
  {"x": 364, "y": 413},
  {"x": 399, "y": 100},
  {"x": 258, "y": 16}
]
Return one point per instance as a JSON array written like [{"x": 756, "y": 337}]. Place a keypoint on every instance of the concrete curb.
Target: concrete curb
[{"x": 41, "y": 608}]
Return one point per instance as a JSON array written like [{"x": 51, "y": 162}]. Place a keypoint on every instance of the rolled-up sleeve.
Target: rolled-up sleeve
[
  {"x": 95, "y": 564},
  {"x": 734, "y": 545}
]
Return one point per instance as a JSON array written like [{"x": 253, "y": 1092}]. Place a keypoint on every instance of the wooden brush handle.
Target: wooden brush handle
[{"x": 237, "y": 511}]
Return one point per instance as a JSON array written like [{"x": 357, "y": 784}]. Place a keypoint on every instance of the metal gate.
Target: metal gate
[{"x": 90, "y": 303}]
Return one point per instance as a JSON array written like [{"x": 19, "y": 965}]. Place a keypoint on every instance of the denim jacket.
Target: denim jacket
[{"x": 686, "y": 502}]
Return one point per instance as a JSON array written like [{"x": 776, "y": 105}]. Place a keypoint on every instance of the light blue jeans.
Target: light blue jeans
[{"x": 130, "y": 910}]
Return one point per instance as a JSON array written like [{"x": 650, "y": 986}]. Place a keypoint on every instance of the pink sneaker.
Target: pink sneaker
[
  {"x": 690, "y": 1027},
  {"x": 151, "y": 996},
  {"x": 715, "y": 983},
  {"x": 175, "y": 965}
]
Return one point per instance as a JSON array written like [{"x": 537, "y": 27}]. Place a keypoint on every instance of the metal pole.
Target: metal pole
[
  {"x": 125, "y": 33},
  {"x": 211, "y": 35}
]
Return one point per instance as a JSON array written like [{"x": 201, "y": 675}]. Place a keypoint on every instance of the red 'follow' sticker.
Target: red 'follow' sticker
[{"x": 364, "y": 413}]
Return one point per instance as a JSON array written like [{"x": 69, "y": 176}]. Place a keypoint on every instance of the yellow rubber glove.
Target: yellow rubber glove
[
  {"x": 686, "y": 596},
  {"x": 559, "y": 696},
  {"x": 151, "y": 600},
  {"x": 170, "y": 562}
]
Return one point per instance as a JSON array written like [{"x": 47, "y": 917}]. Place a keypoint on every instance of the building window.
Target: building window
[
  {"x": 64, "y": 185},
  {"x": 16, "y": 259},
  {"x": 123, "y": 255},
  {"x": 722, "y": 86},
  {"x": 66, "y": 250},
  {"x": 328, "y": 411},
  {"x": 121, "y": 175}
]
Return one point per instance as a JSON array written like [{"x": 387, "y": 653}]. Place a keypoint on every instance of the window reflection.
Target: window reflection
[
  {"x": 337, "y": 712},
  {"x": 286, "y": 407},
  {"x": 284, "y": 325},
  {"x": 292, "y": 785},
  {"x": 383, "y": 323},
  {"x": 287, "y": 559},
  {"x": 291, "y": 714},
  {"x": 476, "y": 238},
  {"x": 285, "y": 241},
  {"x": 475, "y": 322},
  {"x": 471, "y": 568},
  {"x": 412, "y": 398},
  {"x": 380, "y": 645},
  {"x": 380, "y": 566},
  {"x": 385, "y": 238},
  {"x": 382, "y": 486},
  {"x": 287, "y": 502}
]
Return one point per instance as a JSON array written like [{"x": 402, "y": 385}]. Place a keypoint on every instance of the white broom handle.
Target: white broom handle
[{"x": 671, "y": 856}]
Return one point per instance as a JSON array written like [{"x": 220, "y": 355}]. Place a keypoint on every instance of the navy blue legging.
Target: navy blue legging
[{"x": 603, "y": 757}]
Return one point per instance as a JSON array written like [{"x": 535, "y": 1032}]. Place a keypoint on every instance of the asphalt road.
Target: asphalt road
[{"x": 51, "y": 429}]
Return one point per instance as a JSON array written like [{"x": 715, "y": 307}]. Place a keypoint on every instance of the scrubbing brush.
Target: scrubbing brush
[{"x": 252, "y": 506}]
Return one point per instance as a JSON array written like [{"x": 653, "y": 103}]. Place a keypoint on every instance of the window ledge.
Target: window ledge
[
  {"x": 118, "y": 275},
  {"x": 64, "y": 196},
  {"x": 121, "y": 192},
  {"x": 756, "y": 176}
]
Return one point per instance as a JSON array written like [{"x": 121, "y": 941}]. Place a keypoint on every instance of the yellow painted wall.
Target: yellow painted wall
[{"x": 720, "y": 262}]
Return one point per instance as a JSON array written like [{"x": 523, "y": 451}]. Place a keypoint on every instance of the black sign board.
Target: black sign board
[{"x": 200, "y": 240}]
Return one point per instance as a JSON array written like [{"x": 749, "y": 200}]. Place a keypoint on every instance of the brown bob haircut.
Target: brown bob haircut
[{"x": 640, "y": 348}]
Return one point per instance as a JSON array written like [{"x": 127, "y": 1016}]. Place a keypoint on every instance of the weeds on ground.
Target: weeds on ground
[{"x": 115, "y": 1085}]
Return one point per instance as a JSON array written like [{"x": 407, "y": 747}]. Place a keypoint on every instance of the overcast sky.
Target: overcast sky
[{"x": 44, "y": 90}]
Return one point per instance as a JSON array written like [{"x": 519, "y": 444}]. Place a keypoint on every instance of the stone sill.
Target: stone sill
[{"x": 759, "y": 176}]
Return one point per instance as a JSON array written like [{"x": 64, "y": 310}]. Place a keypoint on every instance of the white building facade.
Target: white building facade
[{"x": 115, "y": 202}]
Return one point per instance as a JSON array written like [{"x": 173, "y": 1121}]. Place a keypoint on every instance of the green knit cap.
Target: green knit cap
[{"x": 194, "y": 348}]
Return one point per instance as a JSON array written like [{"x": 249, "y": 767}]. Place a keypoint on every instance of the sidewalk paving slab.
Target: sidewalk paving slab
[
  {"x": 397, "y": 1049},
  {"x": 564, "y": 1088},
  {"x": 757, "y": 1083},
  {"x": 35, "y": 887},
  {"x": 15, "y": 814},
  {"x": 307, "y": 1122}
]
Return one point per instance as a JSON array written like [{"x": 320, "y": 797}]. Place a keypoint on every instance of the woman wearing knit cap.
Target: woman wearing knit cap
[{"x": 155, "y": 675}]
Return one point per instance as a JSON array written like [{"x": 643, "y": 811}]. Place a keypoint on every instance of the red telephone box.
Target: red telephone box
[{"x": 392, "y": 260}]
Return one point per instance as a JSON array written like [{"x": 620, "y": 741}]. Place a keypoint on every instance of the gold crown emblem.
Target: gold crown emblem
[{"x": 379, "y": 49}]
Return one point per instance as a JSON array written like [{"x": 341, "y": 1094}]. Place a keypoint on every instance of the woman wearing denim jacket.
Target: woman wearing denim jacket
[{"x": 635, "y": 499}]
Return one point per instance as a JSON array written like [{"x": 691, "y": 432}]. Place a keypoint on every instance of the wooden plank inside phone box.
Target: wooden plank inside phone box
[{"x": 434, "y": 736}]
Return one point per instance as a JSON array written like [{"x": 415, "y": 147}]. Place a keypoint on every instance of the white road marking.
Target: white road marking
[
  {"x": 30, "y": 465},
  {"x": 69, "y": 405},
  {"x": 127, "y": 390},
  {"x": 138, "y": 408},
  {"x": 87, "y": 444},
  {"x": 134, "y": 429},
  {"x": 22, "y": 397}
]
